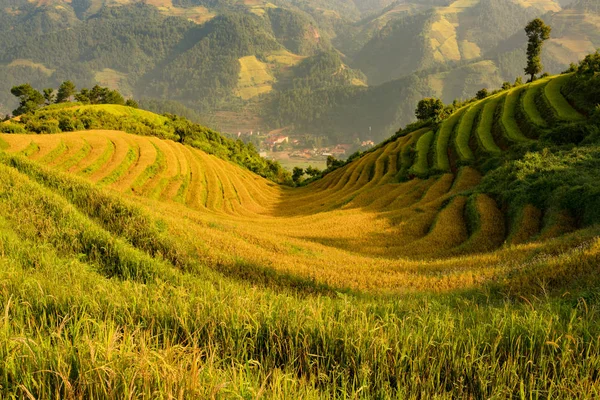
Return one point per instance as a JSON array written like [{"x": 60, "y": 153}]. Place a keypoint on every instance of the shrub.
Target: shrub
[
  {"x": 482, "y": 94},
  {"x": 11, "y": 128},
  {"x": 573, "y": 133}
]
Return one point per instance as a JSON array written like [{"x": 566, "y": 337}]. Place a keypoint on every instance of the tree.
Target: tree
[
  {"x": 29, "y": 98},
  {"x": 112, "y": 97},
  {"x": 537, "y": 33},
  {"x": 312, "y": 172},
  {"x": 429, "y": 108},
  {"x": 590, "y": 64},
  {"x": 49, "y": 95},
  {"x": 133, "y": 104},
  {"x": 482, "y": 94},
  {"x": 83, "y": 96},
  {"x": 297, "y": 174},
  {"x": 518, "y": 81},
  {"x": 506, "y": 85},
  {"x": 65, "y": 92}
]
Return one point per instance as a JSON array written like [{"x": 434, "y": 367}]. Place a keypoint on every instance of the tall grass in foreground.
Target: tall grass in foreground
[{"x": 68, "y": 332}]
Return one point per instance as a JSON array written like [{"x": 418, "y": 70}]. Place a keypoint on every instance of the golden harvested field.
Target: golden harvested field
[
  {"x": 356, "y": 228},
  {"x": 135, "y": 267},
  {"x": 254, "y": 79}
]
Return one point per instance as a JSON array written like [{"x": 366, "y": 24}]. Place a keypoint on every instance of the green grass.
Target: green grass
[
  {"x": 75, "y": 323},
  {"x": 529, "y": 102},
  {"x": 77, "y": 157},
  {"x": 3, "y": 144},
  {"x": 406, "y": 153},
  {"x": 55, "y": 153},
  {"x": 118, "y": 110},
  {"x": 509, "y": 123},
  {"x": 183, "y": 189},
  {"x": 442, "y": 141},
  {"x": 151, "y": 171},
  {"x": 122, "y": 168},
  {"x": 486, "y": 123},
  {"x": 30, "y": 150},
  {"x": 463, "y": 134},
  {"x": 563, "y": 109},
  {"x": 100, "y": 161},
  {"x": 421, "y": 165}
]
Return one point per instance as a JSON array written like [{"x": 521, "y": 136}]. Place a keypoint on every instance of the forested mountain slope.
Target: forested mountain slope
[{"x": 245, "y": 65}]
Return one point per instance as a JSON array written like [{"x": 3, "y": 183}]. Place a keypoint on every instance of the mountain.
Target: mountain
[
  {"x": 139, "y": 266},
  {"x": 443, "y": 34},
  {"x": 243, "y": 66}
]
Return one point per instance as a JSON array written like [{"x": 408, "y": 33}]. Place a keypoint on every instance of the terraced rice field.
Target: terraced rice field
[
  {"x": 138, "y": 267},
  {"x": 561, "y": 106},
  {"x": 509, "y": 122},
  {"x": 529, "y": 102},
  {"x": 357, "y": 218},
  {"x": 464, "y": 133},
  {"x": 485, "y": 136}
]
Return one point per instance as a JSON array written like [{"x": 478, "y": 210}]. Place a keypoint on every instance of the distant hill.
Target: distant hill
[{"x": 307, "y": 66}]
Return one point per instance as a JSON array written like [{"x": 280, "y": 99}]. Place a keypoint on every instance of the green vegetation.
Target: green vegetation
[
  {"x": 529, "y": 103},
  {"x": 509, "y": 122},
  {"x": 537, "y": 33},
  {"x": 130, "y": 157},
  {"x": 429, "y": 108},
  {"x": 100, "y": 161},
  {"x": 442, "y": 141},
  {"x": 486, "y": 123},
  {"x": 465, "y": 130},
  {"x": 421, "y": 166},
  {"x": 563, "y": 109},
  {"x": 562, "y": 179}
]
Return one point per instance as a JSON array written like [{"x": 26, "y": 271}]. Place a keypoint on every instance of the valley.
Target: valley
[
  {"x": 129, "y": 261},
  {"x": 432, "y": 235}
]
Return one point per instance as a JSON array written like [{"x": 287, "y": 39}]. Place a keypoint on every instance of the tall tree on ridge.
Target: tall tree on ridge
[
  {"x": 537, "y": 32},
  {"x": 29, "y": 99},
  {"x": 65, "y": 91}
]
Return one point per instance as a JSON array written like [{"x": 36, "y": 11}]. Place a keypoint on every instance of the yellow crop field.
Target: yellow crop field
[
  {"x": 239, "y": 215},
  {"x": 284, "y": 57},
  {"x": 132, "y": 266},
  {"x": 28, "y": 63},
  {"x": 254, "y": 78}
]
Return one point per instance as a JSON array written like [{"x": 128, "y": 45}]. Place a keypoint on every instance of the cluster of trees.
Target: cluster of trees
[
  {"x": 31, "y": 99},
  {"x": 298, "y": 173}
]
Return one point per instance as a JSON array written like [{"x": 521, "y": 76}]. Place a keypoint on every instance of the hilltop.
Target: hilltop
[{"x": 459, "y": 258}]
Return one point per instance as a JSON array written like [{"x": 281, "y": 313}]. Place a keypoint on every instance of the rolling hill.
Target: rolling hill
[{"x": 457, "y": 258}]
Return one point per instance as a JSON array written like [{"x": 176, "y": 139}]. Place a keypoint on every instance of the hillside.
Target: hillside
[
  {"x": 233, "y": 63},
  {"x": 141, "y": 266}
]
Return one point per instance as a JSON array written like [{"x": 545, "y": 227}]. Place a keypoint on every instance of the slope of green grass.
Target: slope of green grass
[
  {"x": 423, "y": 146},
  {"x": 529, "y": 102},
  {"x": 560, "y": 105},
  {"x": 463, "y": 135},
  {"x": 443, "y": 141},
  {"x": 509, "y": 123},
  {"x": 486, "y": 123}
]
